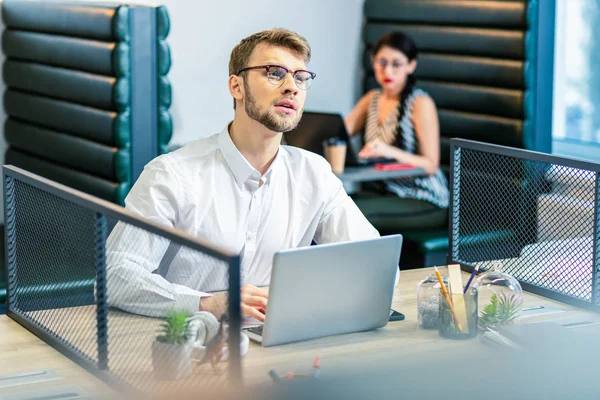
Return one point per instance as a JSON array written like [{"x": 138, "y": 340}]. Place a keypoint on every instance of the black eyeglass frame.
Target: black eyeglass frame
[{"x": 287, "y": 70}]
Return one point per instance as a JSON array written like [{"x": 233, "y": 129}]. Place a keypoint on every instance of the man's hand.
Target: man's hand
[
  {"x": 216, "y": 304},
  {"x": 254, "y": 302}
]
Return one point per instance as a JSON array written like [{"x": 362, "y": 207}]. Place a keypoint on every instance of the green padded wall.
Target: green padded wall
[
  {"x": 73, "y": 73},
  {"x": 165, "y": 122},
  {"x": 70, "y": 97},
  {"x": 477, "y": 61}
]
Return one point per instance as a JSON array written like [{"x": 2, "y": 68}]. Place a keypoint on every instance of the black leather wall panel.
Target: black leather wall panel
[
  {"x": 164, "y": 58},
  {"x": 478, "y": 99},
  {"x": 106, "y": 93},
  {"x": 467, "y": 69},
  {"x": 445, "y": 153},
  {"x": 164, "y": 91},
  {"x": 78, "y": 180},
  {"x": 106, "y": 127},
  {"x": 67, "y": 150},
  {"x": 163, "y": 22},
  {"x": 509, "y": 14},
  {"x": 472, "y": 61},
  {"x": 103, "y": 58},
  {"x": 456, "y": 40},
  {"x": 69, "y": 71},
  {"x": 165, "y": 127},
  {"x": 484, "y": 128},
  {"x": 79, "y": 20}
]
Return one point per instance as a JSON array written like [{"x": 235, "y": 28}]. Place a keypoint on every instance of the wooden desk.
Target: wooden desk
[
  {"x": 397, "y": 341},
  {"x": 21, "y": 351},
  {"x": 130, "y": 338}
]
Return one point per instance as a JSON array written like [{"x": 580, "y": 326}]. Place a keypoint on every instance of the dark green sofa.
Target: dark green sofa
[{"x": 479, "y": 62}]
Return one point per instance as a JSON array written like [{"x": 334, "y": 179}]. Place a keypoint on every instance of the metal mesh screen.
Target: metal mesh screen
[
  {"x": 52, "y": 265},
  {"x": 135, "y": 303},
  {"x": 99, "y": 284},
  {"x": 534, "y": 214}
]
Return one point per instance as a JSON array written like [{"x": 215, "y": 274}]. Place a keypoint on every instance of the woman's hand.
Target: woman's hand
[{"x": 377, "y": 148}]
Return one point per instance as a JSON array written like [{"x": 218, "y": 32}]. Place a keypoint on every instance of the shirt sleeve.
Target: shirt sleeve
[
  {"x": 342, "y": 220},
  {"x": 133, "y": 254}
]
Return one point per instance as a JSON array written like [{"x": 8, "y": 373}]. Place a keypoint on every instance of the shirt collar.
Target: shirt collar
[
  {"x": 275, "y": 166},
  {"x": 240, "y": 167}
]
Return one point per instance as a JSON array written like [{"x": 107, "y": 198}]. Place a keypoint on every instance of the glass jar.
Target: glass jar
[
  {"x": 455, "y": 324},
  {"x": 428, "y": 301},
  {"x": 500, "y": 297}
]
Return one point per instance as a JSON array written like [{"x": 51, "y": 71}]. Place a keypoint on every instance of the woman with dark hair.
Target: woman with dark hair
[{"x": 400, "y": 121}]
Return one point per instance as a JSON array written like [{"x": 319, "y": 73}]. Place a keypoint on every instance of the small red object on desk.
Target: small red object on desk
[{"x": 393, "y": 166}]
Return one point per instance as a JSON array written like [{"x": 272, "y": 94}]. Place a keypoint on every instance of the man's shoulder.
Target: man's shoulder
[
  {"x": 304, "y": 158},
  {"x": 306, "y": 163},
  {"x": 192, "y": 154}
]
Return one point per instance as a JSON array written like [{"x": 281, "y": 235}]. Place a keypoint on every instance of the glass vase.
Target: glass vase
[
  {"x": 500, "y": 297},
  {"x": 428, "y": 301}
]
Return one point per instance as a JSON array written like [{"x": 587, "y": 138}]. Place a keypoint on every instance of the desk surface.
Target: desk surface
[
  {"x": 21, "y": 351},
  {"x": 366, "y": 174}
]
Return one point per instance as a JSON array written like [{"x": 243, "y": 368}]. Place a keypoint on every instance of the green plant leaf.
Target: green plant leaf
[
  {"x": 501, "y": 310},
  {"x": 175, "y": 328}
]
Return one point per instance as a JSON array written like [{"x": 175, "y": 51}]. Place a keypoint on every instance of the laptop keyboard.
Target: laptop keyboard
[{"x": 257, "y": 330}]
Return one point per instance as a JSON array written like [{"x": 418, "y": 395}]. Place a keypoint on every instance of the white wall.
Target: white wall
[
  {"x": 202, "y": 41},
  {"x": 204, "y": 32},
  {"x": 203, "y": 35}
]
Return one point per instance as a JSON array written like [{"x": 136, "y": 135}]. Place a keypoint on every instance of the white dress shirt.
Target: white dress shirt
[{"x": 208, "y": 189}]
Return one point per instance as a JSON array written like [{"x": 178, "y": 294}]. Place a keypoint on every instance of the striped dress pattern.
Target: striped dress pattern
[{"x": 433, "y": 188}]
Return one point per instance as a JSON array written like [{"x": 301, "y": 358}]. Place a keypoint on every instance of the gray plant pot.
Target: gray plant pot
[{"x": 172, "y": 361}]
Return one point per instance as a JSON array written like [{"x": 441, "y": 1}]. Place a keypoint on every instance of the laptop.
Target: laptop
[
  {"x": 329, "y": 289},
  {"x": 316, "y": 127}
]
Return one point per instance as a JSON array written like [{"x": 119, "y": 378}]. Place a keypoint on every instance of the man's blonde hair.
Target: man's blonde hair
[{"x": 274, "y": 37}]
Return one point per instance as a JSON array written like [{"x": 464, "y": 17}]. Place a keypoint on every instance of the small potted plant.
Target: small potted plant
[
  {"x": 172, "y": 349},
  {"x": 502, "y": 309},
  {"x": 501, "y": 296}
]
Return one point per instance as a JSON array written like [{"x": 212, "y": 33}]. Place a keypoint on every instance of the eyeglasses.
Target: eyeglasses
[
  {"x": 276, "y": 75},
  {"x": 383, "y": 63}
]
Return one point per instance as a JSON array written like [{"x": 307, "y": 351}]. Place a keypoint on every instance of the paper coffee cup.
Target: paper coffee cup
[{"x": 335, "y": 154}]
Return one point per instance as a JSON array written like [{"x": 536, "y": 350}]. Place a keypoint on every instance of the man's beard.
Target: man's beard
[{"x": 269, "y": 119}]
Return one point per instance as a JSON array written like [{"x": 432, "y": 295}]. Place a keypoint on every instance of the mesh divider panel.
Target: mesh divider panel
[
  {"x": 136, "y": 311},
  {"x": 97, "y": 283},
  {"x": 54, "y": 267},
  {"x": 535, "y": 214}
]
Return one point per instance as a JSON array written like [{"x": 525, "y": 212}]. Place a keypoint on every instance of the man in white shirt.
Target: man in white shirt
[{"x": 239, "y": 189}]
